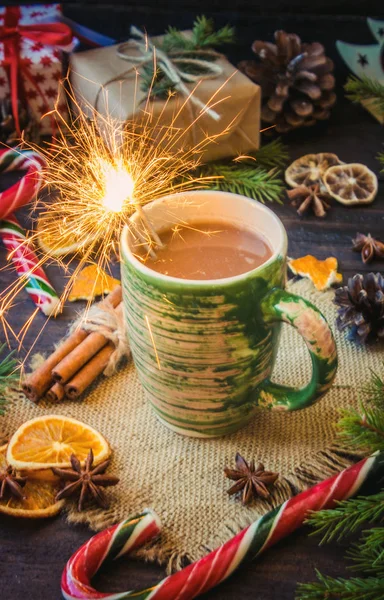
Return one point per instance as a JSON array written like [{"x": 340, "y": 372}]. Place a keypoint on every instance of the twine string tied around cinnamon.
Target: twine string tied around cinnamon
[{"x": 103, "y": 318}]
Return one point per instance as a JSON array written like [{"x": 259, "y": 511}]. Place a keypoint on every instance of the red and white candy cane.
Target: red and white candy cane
[
  {"x": 27, "y": 187},
  {"x": 212, "y": 569},
  {"x": 28, "y": 266}
]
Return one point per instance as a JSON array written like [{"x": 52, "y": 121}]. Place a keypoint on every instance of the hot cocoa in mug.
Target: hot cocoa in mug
[{"x": 204, "y": 316}]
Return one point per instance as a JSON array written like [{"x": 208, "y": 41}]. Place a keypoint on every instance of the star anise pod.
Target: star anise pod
[
  {"x": 368, "y": 246},
  {"x": 254, "y": 481},
  {"x": 12, "y": 483},
  {"x": 309, "y": 196},
  {"x": 85, "y": 481}
]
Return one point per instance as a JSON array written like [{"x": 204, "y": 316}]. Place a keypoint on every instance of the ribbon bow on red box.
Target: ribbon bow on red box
[{"x": 11, "y": 35}]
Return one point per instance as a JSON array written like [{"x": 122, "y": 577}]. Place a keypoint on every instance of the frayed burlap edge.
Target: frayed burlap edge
[
  {"x": 324, "y": 464},
  {"x": 320, "y": 464}
]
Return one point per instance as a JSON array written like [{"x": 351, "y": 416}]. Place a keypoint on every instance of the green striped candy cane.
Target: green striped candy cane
[
  {"x": 214, "y": 568},
  {"x": 28, "y": 266}
]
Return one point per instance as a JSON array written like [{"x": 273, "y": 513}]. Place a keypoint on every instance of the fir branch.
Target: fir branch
[
  {"x": 360, "y": 90},
  {"x": 374, "y": 391},
  {"x": 368, "y": 553},
  {"x": 159, "y": 85},
  {"x": 174, "y": 41},
  {"x": 254, "y": 182},
  {"x": 364, "y": 429},
  {"x": 8, "y": 373},
  {"x": 205, "y": 36},
  {"x": 274, "y": 154},
  {"x": 361, "y": 429},
  {"x": 347, "y": 517},
  {"x": 369, "y": 588}
]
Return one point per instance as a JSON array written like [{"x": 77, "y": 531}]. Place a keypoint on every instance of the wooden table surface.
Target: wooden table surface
[{"x": 33, "y": 554}]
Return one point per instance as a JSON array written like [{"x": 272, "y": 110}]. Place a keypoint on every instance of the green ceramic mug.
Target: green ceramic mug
[{"x": 205, "y": 350}]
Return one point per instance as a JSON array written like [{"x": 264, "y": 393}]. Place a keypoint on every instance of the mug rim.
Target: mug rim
[{"x": 281, "y": 250}]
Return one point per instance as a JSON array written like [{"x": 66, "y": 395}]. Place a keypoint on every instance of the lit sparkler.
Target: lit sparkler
[{"x": 99, "y": 181}]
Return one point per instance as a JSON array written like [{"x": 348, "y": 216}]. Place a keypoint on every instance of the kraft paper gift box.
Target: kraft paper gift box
[
  {"x": 31, "y": 44},
  {"x": 122, "y": 99}
]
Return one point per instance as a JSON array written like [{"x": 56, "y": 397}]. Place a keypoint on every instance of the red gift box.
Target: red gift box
[{"x": 31, "y": 45}]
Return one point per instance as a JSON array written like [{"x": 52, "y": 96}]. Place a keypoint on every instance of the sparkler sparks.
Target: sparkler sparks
[
  {"x": 100, "y": 173},
  {"x": 119, "y": 187},
  {"x": 102, "y": 181}
]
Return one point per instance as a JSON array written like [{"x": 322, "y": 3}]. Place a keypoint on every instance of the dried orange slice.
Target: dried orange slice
[
  {"x": 322, "y": 273},
  {"x": 39, "y": 499},
  {"x": 55, "y": 240},
  {"x": 39, "y": 475},
  {"x": 91, "y": 282},
  {"x": 310, "y": 169},
  {"x": 49, "y": 441},
  {"x": 351, "y": 184}
]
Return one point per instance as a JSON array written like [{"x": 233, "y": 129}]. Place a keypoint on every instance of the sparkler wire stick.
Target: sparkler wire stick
[
  {"x": 147, "y": 223},
  {"x": 214, "y": 568},
  {"x": 28, "y": 266}
]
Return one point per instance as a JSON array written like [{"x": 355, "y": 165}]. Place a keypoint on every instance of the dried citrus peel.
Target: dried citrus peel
[
  {"x": 92, "y": 282},
  {"x": 322, "y": 273}
]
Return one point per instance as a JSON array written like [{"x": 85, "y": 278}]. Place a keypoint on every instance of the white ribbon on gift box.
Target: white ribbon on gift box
[{"x": 170, "y": 63}]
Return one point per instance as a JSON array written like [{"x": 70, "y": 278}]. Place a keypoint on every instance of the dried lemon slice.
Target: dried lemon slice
[
  {"x": 351, "y": 184},
  {"x": 39, "y": 499},
  {"x": 310, "y": 169},
  {"x": 55, "y": 240},
  {"x": 49, "y": 441}
]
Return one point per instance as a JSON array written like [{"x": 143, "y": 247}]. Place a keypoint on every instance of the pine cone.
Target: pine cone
[
  {"x": 361, "y": 307},
  {"x": 296, "y": 80},
  {"x": 28, "y": 125}
]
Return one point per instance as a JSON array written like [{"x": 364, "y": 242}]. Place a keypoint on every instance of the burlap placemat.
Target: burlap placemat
[{"x": 182, "y": 478}]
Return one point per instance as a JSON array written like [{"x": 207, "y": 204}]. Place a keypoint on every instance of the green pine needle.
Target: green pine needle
[
  {"x": 160, "y": 86},
  {"x": 374, "y": 391},
  {"x": 362, "y": 429},
  {"x": 366, "y": 88},
  {"x": 9, "y": 368},
  {"x": 368, "y": 554},
  {"x": 329, "y": 588},
  {"x": 274, "y": 154},
  {"x": 347, "y": 517},
  {"x": 203, "y": 37},
  {"x": 253, "y": 182},
  {"x": 174, "y": 41}
]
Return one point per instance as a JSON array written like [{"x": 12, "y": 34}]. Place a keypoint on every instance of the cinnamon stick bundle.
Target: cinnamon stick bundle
[
  {"x": 77, "y": 356},
  {"x": 56, "y": 393},
  {"x": 38, "y": 382},
  {"x": 80, "y": 355},
  {"x": 88, "y": 373}
]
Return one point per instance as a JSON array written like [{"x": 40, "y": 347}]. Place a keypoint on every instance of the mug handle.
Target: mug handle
[{"x": 281, "y": 305}]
